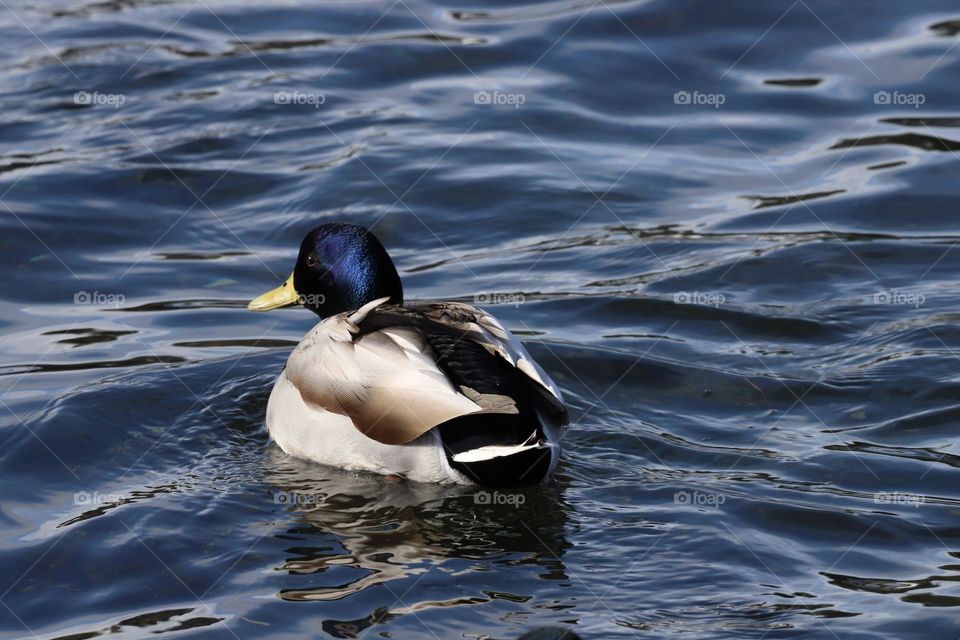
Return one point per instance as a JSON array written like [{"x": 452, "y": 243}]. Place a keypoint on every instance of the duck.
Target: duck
[{"x": 435, "y": 392}]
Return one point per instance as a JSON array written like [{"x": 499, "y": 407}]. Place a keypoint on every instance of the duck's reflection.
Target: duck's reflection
[{"x": 355, "y": 532}]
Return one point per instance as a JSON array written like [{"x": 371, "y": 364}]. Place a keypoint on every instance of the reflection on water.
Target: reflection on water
[
  {"x": 381, "y": 534},
  {"x": 167, "y": 621},
  {"x": 915, "y": 140}
]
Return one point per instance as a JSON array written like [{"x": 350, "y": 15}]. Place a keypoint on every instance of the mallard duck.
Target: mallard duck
[{"x": 437, "y": 392}]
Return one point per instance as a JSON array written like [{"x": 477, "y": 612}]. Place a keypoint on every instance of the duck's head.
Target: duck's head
[{"x": 340, "y": 268}]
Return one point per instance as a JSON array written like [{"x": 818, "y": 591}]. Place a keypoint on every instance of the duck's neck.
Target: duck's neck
[
  {"x": 355, "y": 280},
  {"x": 369, "y": 281}
]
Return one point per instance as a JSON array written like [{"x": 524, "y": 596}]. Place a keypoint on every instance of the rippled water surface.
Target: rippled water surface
[{"x": 726, "y": 229}]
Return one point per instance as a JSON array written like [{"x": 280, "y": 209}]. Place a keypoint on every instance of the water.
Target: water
[{"x": 726, "y": 229}]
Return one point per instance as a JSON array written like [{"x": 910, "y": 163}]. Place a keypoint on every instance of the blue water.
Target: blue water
[{"x": 726, "y": 229}]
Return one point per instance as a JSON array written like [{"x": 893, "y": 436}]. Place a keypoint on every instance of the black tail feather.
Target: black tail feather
[{"x": 476, "y": 430}]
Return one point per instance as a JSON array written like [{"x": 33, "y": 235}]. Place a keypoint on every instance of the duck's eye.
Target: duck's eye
[{"x": 311, "y": 260}]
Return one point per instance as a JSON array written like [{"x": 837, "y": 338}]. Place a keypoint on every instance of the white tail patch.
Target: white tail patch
[{"x": 498, "y": 450}]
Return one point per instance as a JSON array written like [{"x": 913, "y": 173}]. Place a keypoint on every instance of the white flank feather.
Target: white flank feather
[{"x": 493, "y": 451}]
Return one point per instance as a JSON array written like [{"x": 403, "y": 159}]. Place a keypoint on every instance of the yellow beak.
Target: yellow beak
[{"x": 282, "y": 296}]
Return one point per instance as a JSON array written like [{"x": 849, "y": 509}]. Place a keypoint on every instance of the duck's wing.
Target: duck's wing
[
  {"x": 483, "y": 360},
  {"x": 387, "y": 382},
  {"x": 481, "y": 328},
  {"x": 398, "y": 372}
]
